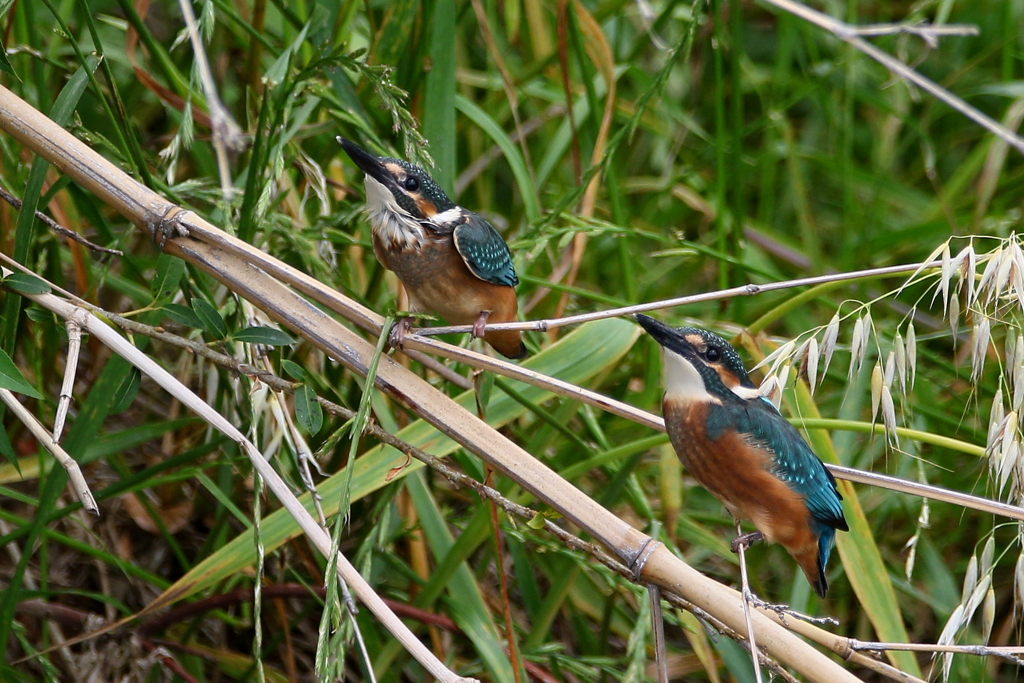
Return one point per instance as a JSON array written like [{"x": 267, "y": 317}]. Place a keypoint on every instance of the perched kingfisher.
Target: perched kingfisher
[
  {"x": 740, "y": 448},
  {"x": 451, "y": 261}
]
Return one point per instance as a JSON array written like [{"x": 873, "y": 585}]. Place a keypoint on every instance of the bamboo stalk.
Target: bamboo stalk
[{"x": 252, "y": 274}]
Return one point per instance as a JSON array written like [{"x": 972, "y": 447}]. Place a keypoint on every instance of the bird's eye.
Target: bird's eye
[
  {"x": 713, "y": 354},
  {"x": 411, "y": 184}
]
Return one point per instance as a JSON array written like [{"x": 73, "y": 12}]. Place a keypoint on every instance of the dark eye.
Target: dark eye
[
  {"x": 411, "y": 184},
  {"x": 713, "y": 354}
]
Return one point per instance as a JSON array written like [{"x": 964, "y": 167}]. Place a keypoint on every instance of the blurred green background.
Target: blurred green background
[{"x": 727, "y": 142}]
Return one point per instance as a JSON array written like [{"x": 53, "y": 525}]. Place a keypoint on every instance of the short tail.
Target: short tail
[{"x": 508, "y": 343}]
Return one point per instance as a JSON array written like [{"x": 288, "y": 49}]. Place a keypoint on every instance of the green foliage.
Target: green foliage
[{"x": 742, "y": 146}]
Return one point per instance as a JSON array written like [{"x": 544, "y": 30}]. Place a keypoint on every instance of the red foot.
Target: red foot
[
  {"x": 746, "y": 540},
  {"x": 480, "y": 324},
  {"x": 398, "y": 331}
]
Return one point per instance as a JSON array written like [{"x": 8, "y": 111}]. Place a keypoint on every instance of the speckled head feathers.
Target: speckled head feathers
[
  {"x": 412, "y": 187},
  {"x": 714, "y": 359}
]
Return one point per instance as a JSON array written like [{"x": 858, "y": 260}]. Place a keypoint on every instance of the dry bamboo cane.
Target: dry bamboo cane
[{"x": 251, "y": 273}]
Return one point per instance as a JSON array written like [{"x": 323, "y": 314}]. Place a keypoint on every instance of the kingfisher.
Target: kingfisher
[
  {"x": 739, "y": 447},
  {"x": 451, "y": 261}
]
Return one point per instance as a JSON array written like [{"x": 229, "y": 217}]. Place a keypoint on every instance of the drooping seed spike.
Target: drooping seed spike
[
  {"x": 969, "y": 273},
  {"x": 1009, "y": 430},
  {"x": 1018, "y": 381},
  {"x": 987, "y": 555},
  {"x": 988, "y": 615},
  {"x": 979, "y": 349},
  {"x": 900, "y": 352},
  {"x": 1007, "y": 462},
  {"x": 770, "y": 389},
  {"x": 954, "y": 316},
  {"x": 912, "y": 353},
  {"x": 876, "y": 391},
  {"x": 970, "y": 580},
  {"x": 945, "y": 276},
  {"x": 992, "y": 262},
  {"x": 858, "y": 344},
  {"x": 828, "y": 341},
  {"x": 995, "y": 417},
  {"x": 811, "y": 364},
  {"x": 783, "y": 381},
  {"x": 1002, "y": 279},
  {"x": 889, "y": 416}
]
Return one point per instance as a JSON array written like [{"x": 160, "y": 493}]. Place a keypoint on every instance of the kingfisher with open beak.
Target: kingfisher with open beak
[
  {"x": 451, "y": 261},
  {"x": 739, "y": 447}
]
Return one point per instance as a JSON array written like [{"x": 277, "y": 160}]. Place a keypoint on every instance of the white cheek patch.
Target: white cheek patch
[
  {"x": 683, "y": 382},
  {"x": 446, "y": 217},
  {"x": 746, "y": 393},
  {"x": 392, "y": 224}
]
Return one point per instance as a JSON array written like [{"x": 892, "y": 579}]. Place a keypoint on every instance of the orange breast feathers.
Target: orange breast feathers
[
  {"x": 737, "y": 473},
  {"x": 439, "y": 281}
]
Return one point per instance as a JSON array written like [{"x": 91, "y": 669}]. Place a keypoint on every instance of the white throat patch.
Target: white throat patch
[
  {"x": 394, "y": 226},
  {"x": 683, "y": 382},
  {"x": 446, "y": 217},
  {"x": 746, "y": 393}
]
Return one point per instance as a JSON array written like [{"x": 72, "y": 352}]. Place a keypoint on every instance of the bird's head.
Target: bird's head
[
  {"x": 398, "y": 188},
  {"x": 699, "y": 365}
]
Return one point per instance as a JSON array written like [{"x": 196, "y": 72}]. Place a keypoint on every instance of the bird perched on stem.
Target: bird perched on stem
[
  {"x": 740, "y": 448},
  {"x": 451, "y": 261}
]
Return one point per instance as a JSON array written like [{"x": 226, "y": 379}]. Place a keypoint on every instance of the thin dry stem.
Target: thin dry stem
[
  {"x": 848, "y": 34},
  {"x": 741, "y": 549},
  {"x": 74, "y": 329},
  {"x": 1009, "y": 653},
  {"x": 315, "y": 532},
  {"x": 719, "y": 295},
  {"x": 57, "y": 227},
  {"x": 78, "y": 482},
  {"x": 227, "y": 136}
]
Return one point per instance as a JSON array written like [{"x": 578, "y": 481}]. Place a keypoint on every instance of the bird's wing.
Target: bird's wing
[
  {"x": 484, "y": 251},
  {"x": 794, "y": 462}
]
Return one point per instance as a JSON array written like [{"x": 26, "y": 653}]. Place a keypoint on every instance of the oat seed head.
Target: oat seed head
[
  {"x": 876, "y": 391},
  {"x": 811, "y": 363},
  {"x": 954, "y": 316},
  {"x": 900, "y": 353},
  {"x": 988, "y": 275},
  {"x": 912, "y": 353},
  {"x": 1007, "y": 464},
  {"x": 968, "y": 272},
  {"x": 770, "y": 389},
  {"x": 945, "y": 277},
  {"x": 783, "y": 381},
  {"x": 970, "y": 579},
  {"x": 988, "y": 615},
  {"x": 858, "y": 345},
  {"x": 828, "y": 341},
  {"x": 987, "y": 555},
  {"x": 979, "y": 349},
  {"x": 889, "y": 416}
]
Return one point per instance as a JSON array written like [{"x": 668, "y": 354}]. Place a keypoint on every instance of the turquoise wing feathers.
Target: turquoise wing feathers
[
  {"x": 484, "y": 251},
  {"x": 792, "y": 459}
]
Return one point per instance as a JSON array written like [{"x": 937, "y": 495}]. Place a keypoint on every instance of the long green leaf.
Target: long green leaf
[
  {"x": 515, "y": 160},
  {"x": 580, "y": 355}
]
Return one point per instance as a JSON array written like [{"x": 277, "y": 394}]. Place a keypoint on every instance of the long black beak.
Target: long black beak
[
  {"x": 367, "y": 163},
  {"x": 665, "y": 335}
]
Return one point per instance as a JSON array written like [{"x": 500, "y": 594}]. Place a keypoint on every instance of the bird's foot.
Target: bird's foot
[
  {"x": 398, "y": 331},
  {"x": 783, "y": 611},
  {"x": 744, "y": 541},
  {"x": 481, "y": 324}
]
